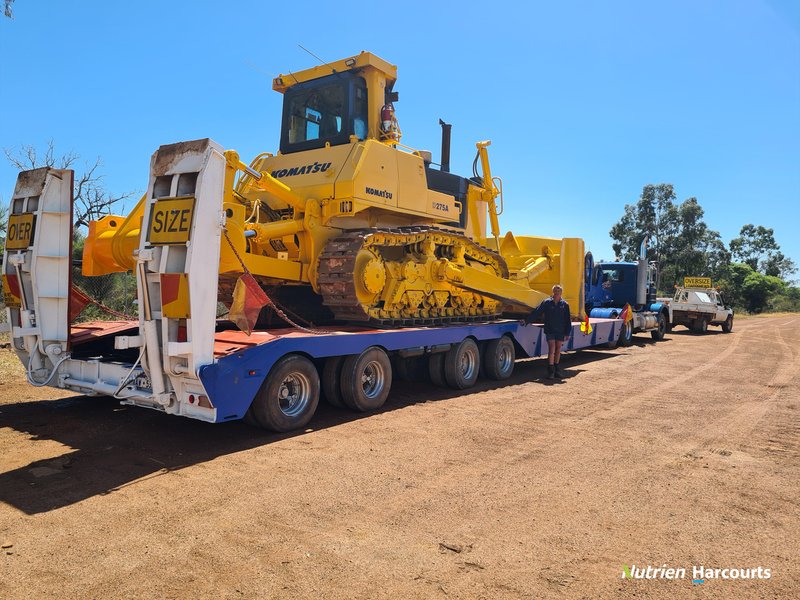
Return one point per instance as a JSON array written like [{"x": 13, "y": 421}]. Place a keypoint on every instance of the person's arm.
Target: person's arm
[
  {"x": 536, "y": 313},
  {"x": 567, "y": 322}
]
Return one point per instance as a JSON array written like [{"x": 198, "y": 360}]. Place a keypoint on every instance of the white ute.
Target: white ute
[{"x": 697, "y": 308}]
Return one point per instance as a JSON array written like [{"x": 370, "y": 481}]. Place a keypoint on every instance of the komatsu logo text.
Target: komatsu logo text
[
  {"x": 379, "y": 193},
  {"x": 315, "y": 167}
]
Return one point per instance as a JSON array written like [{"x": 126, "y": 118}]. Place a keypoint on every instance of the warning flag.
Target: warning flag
[
  {"x": 77, "y": 302},
  {"x": 248, "y": 300},
  {"x": 586, "y": 327},
  {"x": 627, "y": 313}
]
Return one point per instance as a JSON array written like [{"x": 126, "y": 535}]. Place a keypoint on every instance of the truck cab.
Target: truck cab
[{"x": 612, "y": 286}]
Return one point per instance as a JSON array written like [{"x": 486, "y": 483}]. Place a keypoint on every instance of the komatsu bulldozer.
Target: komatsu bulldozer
[{"x": 344, "y": 222}]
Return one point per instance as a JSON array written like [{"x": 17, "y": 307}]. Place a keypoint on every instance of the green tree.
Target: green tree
[
  {"x": 680, "y": 240},
  {"x": 754, "y": 245},
  {"x": 758, "y": 290},
  {"x": 652, "y": 216},
  {"x": 747, "y": 289},
  {"x": 779, "y": 265}
]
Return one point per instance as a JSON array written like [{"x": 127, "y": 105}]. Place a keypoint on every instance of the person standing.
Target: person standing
[{"x": 557, "y": 328}]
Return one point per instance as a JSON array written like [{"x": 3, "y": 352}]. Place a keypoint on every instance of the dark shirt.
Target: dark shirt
[{"x": 556, "y": 317}]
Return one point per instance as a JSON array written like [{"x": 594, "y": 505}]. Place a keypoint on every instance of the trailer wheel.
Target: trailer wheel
[
  {"x": 250, "y": 418},
  {"x": 626, "y": 335},
  {"x": 461, "y": 365},
  {"x": 409, "y": 368},
  {"x": 498, "y": 358},
  {"x": 727, "y": 326},
  {"x": 289, "y": 395},
  {"x": 366, "y": 379},
  {"x": 331, "y": 376},
  {"x": 658, "y": 333},
  {"x": 436, "y": 369}
]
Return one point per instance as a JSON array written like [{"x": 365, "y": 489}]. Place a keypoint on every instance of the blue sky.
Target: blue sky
[{"x": 585, "y": 102}]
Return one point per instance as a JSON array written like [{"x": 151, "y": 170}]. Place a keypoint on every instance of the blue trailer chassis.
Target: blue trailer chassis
[{"x": 234, "y": 379}]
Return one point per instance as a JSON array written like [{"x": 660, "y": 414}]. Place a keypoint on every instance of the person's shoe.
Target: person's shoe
[
  {"x": 558, "y": 371},
  {"x": 551, "y": 372}
]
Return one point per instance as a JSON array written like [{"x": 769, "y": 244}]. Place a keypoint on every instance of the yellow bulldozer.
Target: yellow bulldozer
[{"x": 347, "y": 223}]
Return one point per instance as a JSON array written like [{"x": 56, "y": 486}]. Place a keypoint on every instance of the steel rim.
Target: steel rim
[
  {"x": 504, "y": 359},
  {"x": 294, "y": 394},
  {"x": 373, "y": 378},
  {"x": 468, "y": 363}
]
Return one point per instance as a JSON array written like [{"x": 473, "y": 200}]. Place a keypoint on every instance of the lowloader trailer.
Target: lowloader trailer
[
  {"x": 276, "y": 377},
  {"x": 179, "y": 358}
]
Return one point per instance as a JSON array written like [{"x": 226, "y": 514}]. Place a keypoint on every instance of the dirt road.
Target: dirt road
[{"x": 685, "y": 452}]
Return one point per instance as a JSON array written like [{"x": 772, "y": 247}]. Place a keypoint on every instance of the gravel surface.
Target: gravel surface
[{"x": 679, "y": 453}]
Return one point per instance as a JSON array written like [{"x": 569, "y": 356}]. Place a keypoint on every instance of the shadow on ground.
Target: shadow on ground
[{"x": 113, "y": 446}]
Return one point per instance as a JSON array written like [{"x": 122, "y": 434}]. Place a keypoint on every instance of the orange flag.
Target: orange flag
[
  {"x": 248, "y": 300},
  {"x": 77, "y": 302},
  {"x": 627, "y": 313},
  {"x": 586, "y": 327}
]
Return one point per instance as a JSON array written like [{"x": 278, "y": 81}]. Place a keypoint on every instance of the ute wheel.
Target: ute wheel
[
  {"x": 626, "y": 335},
  {"x": 498, "y": 358},
  {"x": 700, "y": 326},
  {"x": 727, "y": 326},
  {"x": 331, "y": 376},
  {"x": 289, "y": 395},
  {"x": 366, "y": 379},
  {"x": 461, "y": 365},
  {"x": 436, "y": 369},
  {"x": 658, "y": 333}
]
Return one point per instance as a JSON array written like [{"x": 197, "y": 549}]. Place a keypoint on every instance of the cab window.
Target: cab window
[
  {"x": 316, "y": 114},
  {"x": 360, "y": 109},
  {"x": 613, "y": 275},
  {"x": 324, "y": 111}
]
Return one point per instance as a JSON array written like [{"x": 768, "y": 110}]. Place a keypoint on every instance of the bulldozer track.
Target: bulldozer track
[{"x": 338, "y": 260}]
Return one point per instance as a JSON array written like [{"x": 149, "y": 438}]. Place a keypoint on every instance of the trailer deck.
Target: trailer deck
[{"x": 243, "y": 362}]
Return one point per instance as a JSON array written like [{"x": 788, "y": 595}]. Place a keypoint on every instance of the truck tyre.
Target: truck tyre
[
  {"x": 727, "y": 326},
  {"x": 250, "y": 418},
  {"x": 366, "y": 379},
  {"x": 289, "y": 395},
  {"x": 626, "y": 335},
  {"x": 331, "y": 376},
  {"x": 411, "y": 368},
  {"x": 700, "y": 326},
  {"x": 436, "y": 369},
  {"x": 498, "y": 358},
  {"x": 659, "y": 332},
  {"x": 461, "y": 365}
]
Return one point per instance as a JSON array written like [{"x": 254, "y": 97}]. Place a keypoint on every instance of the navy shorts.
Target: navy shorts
[{"x": 554, "y": 336}]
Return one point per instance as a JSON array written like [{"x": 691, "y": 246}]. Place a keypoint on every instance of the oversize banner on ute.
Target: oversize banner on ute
[{"x": 697, "y": 282}]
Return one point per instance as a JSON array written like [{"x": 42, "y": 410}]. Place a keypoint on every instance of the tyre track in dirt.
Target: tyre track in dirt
[{"x": 682, "y": 452}]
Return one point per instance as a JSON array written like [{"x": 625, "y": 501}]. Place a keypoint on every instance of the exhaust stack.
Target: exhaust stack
[
  {"x": 641, "y": 275},
  {"x": 446, "y": 127}
]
